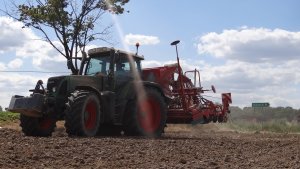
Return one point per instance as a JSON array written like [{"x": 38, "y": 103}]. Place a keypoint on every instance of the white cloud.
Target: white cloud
[
  {"x": 261, "y": 65},
  {"x": 12, "y": 35},
  {"x": 16, "y": 63},
  {"x": 43, "y": 55},
  {"x": 17, "y": 84},
  {"x": 183, "y": 63},
  {"x": 252, "y": 82},
  {"x": 2, "y": 66},
  {"x": 26, "y": 44},
  {"x": 252, "y": 45},
  {"x": 151, "y": 63},
  {"x": 132, "y": 39}
]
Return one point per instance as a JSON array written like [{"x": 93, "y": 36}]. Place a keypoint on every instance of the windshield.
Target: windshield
[{"x": 98, "y": 65}]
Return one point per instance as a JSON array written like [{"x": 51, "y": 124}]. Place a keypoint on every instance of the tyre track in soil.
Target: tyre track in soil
[{"x": 180, "y": 147}]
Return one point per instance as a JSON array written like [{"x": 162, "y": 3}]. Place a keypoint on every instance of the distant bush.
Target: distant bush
[
  {"x": 279, "y": 119},
  {"x": 8, "y": 116},
  {"x": 278, "y": 126},
  {"x": 264, "y": 114}
]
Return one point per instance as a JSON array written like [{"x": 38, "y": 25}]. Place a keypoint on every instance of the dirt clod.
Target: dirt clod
[{"x": 183, "y": 161}]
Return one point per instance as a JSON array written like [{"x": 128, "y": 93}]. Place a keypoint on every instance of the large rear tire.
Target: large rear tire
[
  {"x": 146, "y": 118},
  {"x": 83, "y": 114},
  {"x": 38, "y": 127}
]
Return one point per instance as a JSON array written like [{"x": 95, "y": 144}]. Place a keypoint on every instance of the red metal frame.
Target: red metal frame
[{"x": 186, "y": 104}]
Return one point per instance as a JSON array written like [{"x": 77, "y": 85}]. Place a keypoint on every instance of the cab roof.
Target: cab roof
[{"x": 107, "y": 49}]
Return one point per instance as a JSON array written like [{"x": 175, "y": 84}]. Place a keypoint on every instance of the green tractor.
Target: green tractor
[{"x": 106, "y": 99}]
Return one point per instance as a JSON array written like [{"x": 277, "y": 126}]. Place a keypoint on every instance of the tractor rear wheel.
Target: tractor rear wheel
[
  {"x": 146, "y": 117},
  {"x": 83, "y": 114},
  {"x": 37, "y": 126}
]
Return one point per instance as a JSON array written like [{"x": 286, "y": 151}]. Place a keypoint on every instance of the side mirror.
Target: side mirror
[{"x": 213, "y": 88}]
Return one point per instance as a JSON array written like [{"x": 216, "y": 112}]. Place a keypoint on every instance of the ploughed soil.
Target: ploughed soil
[{"x": 182, "y": 146}]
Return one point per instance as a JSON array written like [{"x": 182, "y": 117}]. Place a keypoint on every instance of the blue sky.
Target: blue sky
[
  {"x": 250, "y": 48},
  {"x": 187, "y": 20}
]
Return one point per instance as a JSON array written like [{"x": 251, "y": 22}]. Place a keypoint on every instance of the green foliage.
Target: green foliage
[
  {"x": 52, "y": 13},
  {"x": 8, "y": 117},
  {"x": 62, "y": 14}
]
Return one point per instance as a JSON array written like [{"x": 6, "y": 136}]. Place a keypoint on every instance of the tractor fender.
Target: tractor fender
[
  {"x": 157, "y": 87},
  {"x": 107, "y": 102},
  {"x": 89, "y": 88},
  {"x": 131, "y": 88}
]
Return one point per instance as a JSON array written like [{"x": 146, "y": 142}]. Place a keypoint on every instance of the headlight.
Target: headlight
[{"x": 54, "y": 89}]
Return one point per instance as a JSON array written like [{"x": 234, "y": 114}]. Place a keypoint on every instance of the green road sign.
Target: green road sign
[{"x": 260, "y": 104}]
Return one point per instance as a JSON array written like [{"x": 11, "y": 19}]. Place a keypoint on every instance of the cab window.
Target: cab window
[{"x": 97, "y": 65}]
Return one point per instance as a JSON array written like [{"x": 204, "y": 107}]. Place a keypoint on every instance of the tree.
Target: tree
[
  {"x": 1, "y": 110},
  {"x": 73, "y": 23}
]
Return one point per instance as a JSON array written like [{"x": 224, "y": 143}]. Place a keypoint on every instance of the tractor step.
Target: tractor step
[{"x": 30, "y": 106}]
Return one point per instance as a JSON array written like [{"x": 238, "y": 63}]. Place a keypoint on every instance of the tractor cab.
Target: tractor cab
[
  {"x": 116, "y": 66},
  {"x": 105, "y": 61}
]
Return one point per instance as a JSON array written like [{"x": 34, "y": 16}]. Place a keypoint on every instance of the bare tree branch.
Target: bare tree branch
[{"x": 50, "y": 41}]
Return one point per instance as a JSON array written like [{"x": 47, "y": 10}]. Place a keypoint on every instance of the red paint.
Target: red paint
[
  {"x": 149, "y": 114},
  {"x": 90, "y": 115},
  {"x": 188, "y": 103}
]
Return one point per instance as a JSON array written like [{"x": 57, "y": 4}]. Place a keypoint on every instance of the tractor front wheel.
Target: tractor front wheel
[
  {"x": 37, "y": 126},
  {"x": 83, "y": 114}
]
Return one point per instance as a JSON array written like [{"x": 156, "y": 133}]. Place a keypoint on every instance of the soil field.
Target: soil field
[{"x": 180, "y": 147}]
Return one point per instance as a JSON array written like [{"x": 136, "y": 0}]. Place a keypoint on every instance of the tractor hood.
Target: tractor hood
[{"x": 62, "y": 85}]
